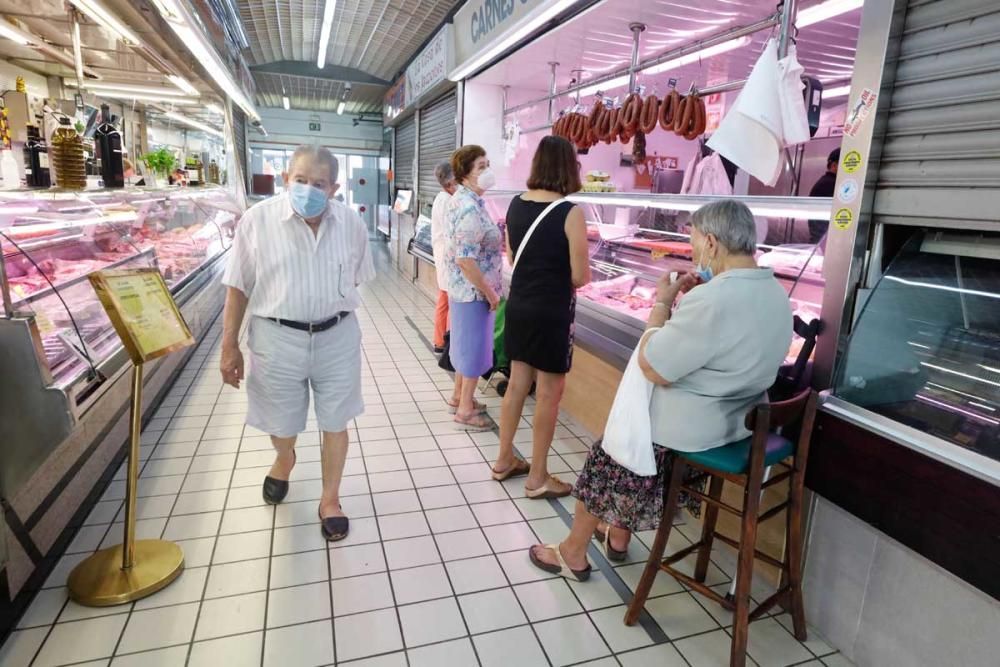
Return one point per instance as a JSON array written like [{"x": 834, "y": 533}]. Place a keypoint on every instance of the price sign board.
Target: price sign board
[{"x": 142, "y": 311}]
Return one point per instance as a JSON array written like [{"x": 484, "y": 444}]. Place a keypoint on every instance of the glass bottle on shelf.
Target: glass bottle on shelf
[
  {"x": 109, "y": 149},
  {"x": 36, "y": 160},
  {"x": 67, "y": 156}
]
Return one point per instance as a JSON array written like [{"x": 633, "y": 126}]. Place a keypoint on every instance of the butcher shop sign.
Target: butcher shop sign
[{"x": 481, "y": 24}]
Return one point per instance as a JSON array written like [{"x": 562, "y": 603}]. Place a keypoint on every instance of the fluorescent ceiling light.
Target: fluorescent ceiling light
[
  {"x": 697, "y": 55},
  {"x": 324, "y": 34},
  {"x": 340, "y": 108},
  {"x": 97, "y": 12},
  {"x": 142, "y": 97},
  {"x": 13, "y": 34},
  {"x": 510, "y": 40},
  {"x": 183, "y": 84},
  {"x": 159, "y": 91},
  {"x": 182, "y": 25},
  {"x": 668, "y": 65},
  {"x": 604, "y": 87},
  {"x": 285, "y": 102},
  {"x": 825, "y": 10},
  {"x": 839, "y": 91},
  {"x": 190, "y": 122}
]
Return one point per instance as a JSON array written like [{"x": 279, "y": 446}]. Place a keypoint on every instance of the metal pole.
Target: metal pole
[
  {"x": 577, "y": 76},
  {"x": 132, "y": 480},
  {"x": 789, "y": 9},
  {"x": 77, "y": 49},
  {"x": 724, "y": 36},
  {"x": 633, "y": 68},
  {"x": 552, "y": 90}
]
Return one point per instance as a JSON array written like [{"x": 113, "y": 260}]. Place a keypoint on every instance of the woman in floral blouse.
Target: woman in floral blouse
[{"x": 473, "y": 260}]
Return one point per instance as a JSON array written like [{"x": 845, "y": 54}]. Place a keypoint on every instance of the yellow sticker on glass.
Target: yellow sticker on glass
[{"x": 843, "y": 218}]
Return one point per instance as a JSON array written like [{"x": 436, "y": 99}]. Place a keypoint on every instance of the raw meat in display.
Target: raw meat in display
[{"x": 791, "y": 259}]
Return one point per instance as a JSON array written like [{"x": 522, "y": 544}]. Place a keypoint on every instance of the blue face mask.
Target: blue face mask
[
  {"x": 704, "y": 272},
  {"x": 307, "y": 201}
]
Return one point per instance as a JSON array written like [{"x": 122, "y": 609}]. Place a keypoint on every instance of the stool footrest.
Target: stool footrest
[
  {"x": 774, "y": 511},
  {"x": 766, "y": 605},
  {"x": 683, "y": 553},
  {"x": 700, "y": 587},
  {"x": 711, "y": 501},
  {"x": 757, "y": 553}
]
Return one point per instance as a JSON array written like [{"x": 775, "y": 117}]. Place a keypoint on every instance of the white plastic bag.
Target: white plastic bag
[{"x": 628, "y": 436}]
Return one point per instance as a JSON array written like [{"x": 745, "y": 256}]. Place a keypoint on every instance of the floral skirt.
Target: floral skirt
[{"x": 618, "y": 496}]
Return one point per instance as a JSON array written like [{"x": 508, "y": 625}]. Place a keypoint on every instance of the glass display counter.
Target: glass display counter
[
  {"x": 925, "y": 350},
  {"x": 51, "y": 242},
  {"x": 636, "y": 238}
]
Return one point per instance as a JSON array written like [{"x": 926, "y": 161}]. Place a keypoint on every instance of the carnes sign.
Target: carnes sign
[{"x": 479, "y": 24}]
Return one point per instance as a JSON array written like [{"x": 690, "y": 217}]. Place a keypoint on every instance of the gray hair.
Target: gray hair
[
  {"x": 318, "y": 153},
  {"x": 444, "y": 173},
  {"x": 731, "y": 222}
]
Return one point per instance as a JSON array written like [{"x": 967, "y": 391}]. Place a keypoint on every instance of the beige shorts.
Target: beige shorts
[{"x": 285, "y": 363}]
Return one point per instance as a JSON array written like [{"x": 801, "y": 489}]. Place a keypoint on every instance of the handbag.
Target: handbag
[{"x": 628, "y": 436}]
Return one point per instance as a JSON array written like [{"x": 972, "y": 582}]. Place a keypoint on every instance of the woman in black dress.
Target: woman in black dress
[{"x": 538, "y": 331}]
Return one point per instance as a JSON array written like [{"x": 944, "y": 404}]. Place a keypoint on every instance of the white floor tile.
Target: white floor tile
[
  {"x": 663, "y": 655},
  {"x": 517, "y": 646},
  {"x": 20, "y": 647},
  {"x": 620, "y": 637},
  {"x": 449, "y": 519},
  {"x": 299, "y": 568},
  {"x": 236, "y": 578},
  {"x": 192, "y": 526},
  {"x": 411, "y": 552},
  {"x": 420, "y": 584},
  {"x": 491, "y": 610},
  {"x": 360, "y": 594},
  {"x": 571, "y": 640},
  {"x": 352, "y": 561},
  {"x": 188, "y": 587},
  {"x": 510, "y": 537},
  {"x": 164, "y": 657},
  {"x": 81, "y": 640},
  {"x": 237, "y": 651},
  {"x": 432, "y": 477},
  {"x": 299, "y": 604},
  {"x": 367, "y": 634},
  {"x": 431, "y": 622},
  {"x": 158, "y": 628},
  {"x": 462, "y": 544},
  {"x": 306, "y": 645},
  {"x": 770, "y": 645},
  {"x": 231, "y": 616},
  {"x": 200, "y": 502},
  {"x": 680, "y": 615},
  {"x": 395, "y": 502},
  {"x": 44, "y": 609},
  {"x": 399, "y": 526},
  {"x": 447, "y": 654}
]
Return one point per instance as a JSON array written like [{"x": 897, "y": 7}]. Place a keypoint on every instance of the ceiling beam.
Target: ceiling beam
[{"x": 309, "y": 69}]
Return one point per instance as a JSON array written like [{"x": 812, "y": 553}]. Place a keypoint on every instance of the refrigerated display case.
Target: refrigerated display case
[
  {"x": 52, "y": 241},
  {"x": 70, "y": 385}
]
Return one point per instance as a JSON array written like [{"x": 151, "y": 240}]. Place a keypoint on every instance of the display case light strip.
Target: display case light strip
[
  {"x": 20, "y": 230},
  {"x": 765, "y": 210},
  {"x": 954, "y": 408},
  {"x": 190, "y": 122},
  {"x": 825, "y": 10}
]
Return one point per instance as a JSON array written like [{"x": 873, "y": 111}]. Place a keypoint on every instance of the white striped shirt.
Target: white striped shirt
[{"x": 291, "y": 273}]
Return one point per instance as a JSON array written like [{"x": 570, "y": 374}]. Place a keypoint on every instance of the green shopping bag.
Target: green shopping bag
[{"x": 499, "y": 352}]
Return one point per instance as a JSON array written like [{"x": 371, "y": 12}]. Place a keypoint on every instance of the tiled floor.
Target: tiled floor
[{"x": 434, "y": 572}]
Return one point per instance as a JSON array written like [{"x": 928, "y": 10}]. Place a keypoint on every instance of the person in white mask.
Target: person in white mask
[
  {"x": 473, "y": 259},
  {"x": 296, "y": 264}
]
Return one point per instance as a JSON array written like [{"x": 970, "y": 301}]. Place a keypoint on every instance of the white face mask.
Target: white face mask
[{"x": 487, "y": 179}]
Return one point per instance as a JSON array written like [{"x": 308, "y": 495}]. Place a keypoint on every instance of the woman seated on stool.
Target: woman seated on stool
[{"x": 711, "y": 361}]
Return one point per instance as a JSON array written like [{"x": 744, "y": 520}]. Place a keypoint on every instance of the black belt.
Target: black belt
[{"x": 312, "y": 327}]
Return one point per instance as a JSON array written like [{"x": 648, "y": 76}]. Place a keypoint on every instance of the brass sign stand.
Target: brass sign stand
[{"x": 149, "y": 324}]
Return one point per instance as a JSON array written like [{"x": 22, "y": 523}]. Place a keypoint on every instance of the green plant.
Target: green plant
[
  {"x": 161, "y": 161},
  {"x": 80, "y": 127}
]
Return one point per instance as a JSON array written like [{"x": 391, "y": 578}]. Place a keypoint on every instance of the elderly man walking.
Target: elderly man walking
[{"x": 297, "y": 261}]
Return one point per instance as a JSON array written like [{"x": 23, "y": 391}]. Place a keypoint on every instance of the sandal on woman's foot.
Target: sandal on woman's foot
[
  {"x": 604, "y": 538},
  {"x": 474, "y": 423},
  {"x": 334, "y": 528},
  {"x": 453, "y": 407},
  {"x": 562, "y": 569},
  {"x": 275, "y": 490},
  {"x": 518, "y": 468},
  {"x": 553, "y": 488}
]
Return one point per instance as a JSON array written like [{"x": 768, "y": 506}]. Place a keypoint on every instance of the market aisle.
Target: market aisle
[{"x": 433, "y": 573}]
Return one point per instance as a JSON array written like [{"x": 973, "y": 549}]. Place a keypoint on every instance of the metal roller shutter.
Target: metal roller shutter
[
  {"x": 438, "y": 134},
  {"x": 406, "y": 147},
  {"x": 941, "y": 157},
  {"x": 240, "y": 141}
]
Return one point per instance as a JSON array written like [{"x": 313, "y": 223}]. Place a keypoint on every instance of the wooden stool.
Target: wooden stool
[{"x": 742, "y": 463}]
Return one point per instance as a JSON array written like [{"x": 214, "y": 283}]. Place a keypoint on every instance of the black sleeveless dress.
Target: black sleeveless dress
[{"x": 538, "y": 329}]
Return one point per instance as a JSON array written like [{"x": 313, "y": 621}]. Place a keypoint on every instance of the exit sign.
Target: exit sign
[{"x": 314, "y": 127}]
